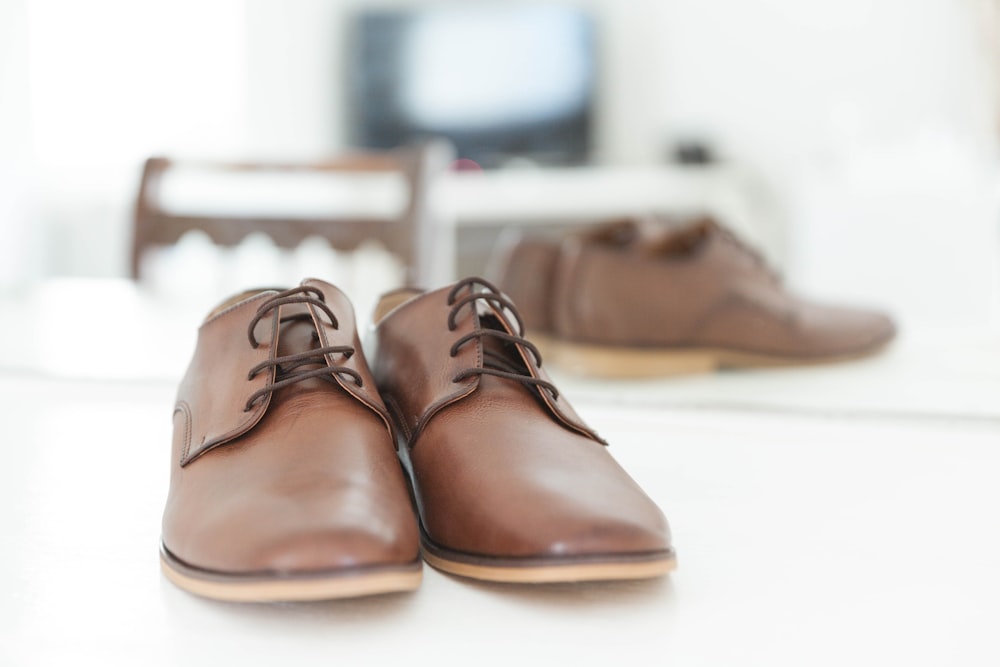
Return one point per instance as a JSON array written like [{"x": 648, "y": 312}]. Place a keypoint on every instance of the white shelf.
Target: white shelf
[{"x": 521, "y": 196}]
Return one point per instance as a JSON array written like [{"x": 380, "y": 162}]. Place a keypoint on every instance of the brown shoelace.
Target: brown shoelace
[
  {"x": 490, "y": 293},
  {"x": 286, "y": 366}
]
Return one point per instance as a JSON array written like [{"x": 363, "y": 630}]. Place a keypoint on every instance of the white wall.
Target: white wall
[
  {"x": 90, "y": 90},
  {"x": 20, "y": 253},
  {"x": 293, "y": 98},
  {"x": 787, "y": 78}
]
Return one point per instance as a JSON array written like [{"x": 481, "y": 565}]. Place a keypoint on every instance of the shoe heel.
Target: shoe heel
[{"x": 623, "y": 362}]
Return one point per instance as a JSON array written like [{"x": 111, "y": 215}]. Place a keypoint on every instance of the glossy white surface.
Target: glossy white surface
[{"x": 865, "y": 532}]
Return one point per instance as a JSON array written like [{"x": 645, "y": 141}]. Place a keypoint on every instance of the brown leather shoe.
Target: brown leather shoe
[
  {"x": 510, "y": 484},
  {"x": 284, "y": 480},
  {"x": 635, "y": 298}
]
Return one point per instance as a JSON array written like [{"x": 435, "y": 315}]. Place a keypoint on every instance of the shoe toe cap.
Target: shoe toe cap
[{"x": 244, "y": 541}]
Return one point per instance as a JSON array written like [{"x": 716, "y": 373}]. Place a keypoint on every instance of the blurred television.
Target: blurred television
[{"x": 502, "y": 82}]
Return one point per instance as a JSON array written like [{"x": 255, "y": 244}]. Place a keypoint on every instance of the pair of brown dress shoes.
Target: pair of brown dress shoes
[{"x": 286, "y": 481}]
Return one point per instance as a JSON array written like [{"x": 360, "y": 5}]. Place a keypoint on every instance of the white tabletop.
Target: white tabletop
[{"x": 826, "y": 516}]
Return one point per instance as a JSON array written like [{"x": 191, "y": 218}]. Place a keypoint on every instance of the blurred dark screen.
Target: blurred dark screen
[{"x": 500, "y": 82}]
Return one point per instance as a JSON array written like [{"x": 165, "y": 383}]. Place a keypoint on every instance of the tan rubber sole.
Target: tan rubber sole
[
  {"x": 548, "y": 571},
  {"x": 623, "y": 362},
  {"x": 334, "y": 586}
]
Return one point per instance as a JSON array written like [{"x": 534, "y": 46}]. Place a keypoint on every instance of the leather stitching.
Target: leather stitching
[
  {"x": 253, "y": 417},
  {"x": 185, "y": 409}
]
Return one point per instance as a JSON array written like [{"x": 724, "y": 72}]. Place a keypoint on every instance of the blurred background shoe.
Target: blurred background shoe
[{"x": 641, "y": 297}]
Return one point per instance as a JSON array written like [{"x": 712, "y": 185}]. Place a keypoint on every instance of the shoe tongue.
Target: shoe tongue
[
  {"x": 683, "y": 241},
  {"x": 297, "y": 334},
  {"x": 619, "y": 233},
  {"x": 499, "y": 354}
]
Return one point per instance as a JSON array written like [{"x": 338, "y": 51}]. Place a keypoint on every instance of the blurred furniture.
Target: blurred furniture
[
  {"x": 583, "y": 195},
  {"x": 550, "y": 200},
  {"x": 406, "y": 230}
]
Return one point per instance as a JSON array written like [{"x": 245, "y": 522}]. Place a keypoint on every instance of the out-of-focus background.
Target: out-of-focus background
[{"x": 854, "y": 142}]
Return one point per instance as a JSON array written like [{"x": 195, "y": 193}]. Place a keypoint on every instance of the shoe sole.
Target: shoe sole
[
  {"x": 614, "y": 567},
  {"x": 358, "y": 582},
  {"x": 622, "y": 362}
]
